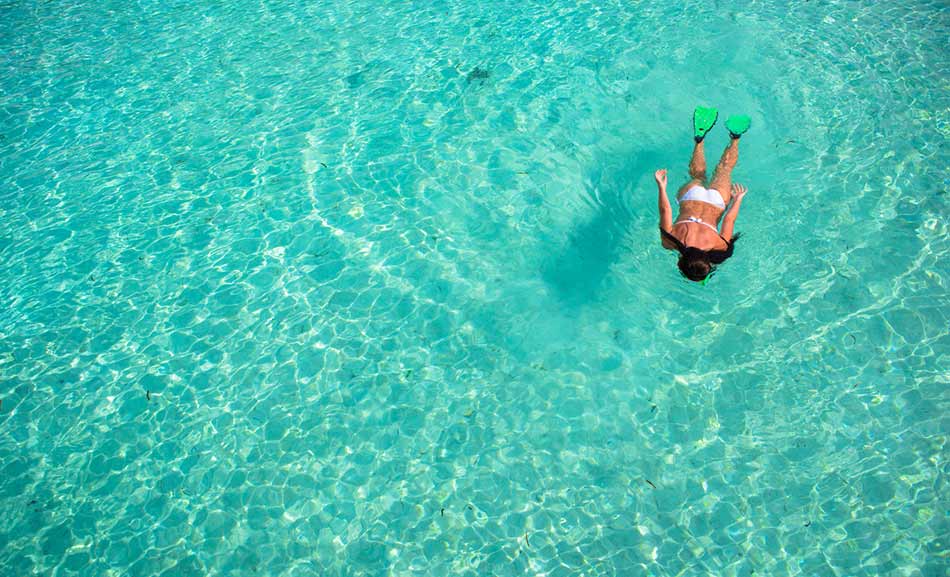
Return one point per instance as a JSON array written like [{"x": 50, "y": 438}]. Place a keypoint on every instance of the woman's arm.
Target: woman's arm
[
  {"x": 666, "y": 212},
  {"x": 729, "y": 221}
]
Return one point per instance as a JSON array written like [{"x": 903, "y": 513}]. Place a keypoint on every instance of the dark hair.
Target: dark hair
[
  {"x": 695, "y": 267},
  {"x": 697, "y": 264}
]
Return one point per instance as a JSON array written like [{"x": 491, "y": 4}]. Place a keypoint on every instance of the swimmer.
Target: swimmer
[{"x": 695, "y": 235}]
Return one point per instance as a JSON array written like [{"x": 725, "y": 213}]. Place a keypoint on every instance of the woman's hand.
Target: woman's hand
[
  {"x": 660, "y": 176},
  {"x": 738, "y": 191}
]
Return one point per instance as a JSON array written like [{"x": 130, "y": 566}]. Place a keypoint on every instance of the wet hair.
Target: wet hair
[
  {"x": 697, "y": 264},
  {"x": 695, "y": 267}
]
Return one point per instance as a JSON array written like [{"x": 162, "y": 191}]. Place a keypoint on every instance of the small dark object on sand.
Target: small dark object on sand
[{"x": 477, "y": 74}]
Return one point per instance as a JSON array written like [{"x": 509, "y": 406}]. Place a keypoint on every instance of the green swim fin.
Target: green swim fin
[
  {"x": 703, "y": 121},
  {"x": 737, "y": 124}
]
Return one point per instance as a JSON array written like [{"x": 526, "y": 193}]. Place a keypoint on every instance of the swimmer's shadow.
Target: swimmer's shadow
[{"x": 578, "y": 272}]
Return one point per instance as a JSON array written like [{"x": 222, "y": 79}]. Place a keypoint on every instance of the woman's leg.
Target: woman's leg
[
  {"x": 697, "y": 164},
  {"x": 722, "y": 179},
  {"x": 697, "y": 169}
]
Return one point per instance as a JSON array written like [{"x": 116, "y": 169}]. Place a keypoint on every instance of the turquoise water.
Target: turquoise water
[{"x": 375, "y": 288}]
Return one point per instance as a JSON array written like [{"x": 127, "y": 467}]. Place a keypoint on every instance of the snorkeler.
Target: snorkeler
[{"x": 694, "y": 234}]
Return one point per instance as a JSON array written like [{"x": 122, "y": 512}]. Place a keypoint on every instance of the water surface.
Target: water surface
[{"x": 375, "y": 288}]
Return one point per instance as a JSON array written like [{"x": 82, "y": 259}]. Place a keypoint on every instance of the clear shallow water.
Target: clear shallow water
[{"x": 395, "y": 316}]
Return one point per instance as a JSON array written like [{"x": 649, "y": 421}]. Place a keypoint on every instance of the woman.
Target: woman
[{"x": 694, "y": 234}]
